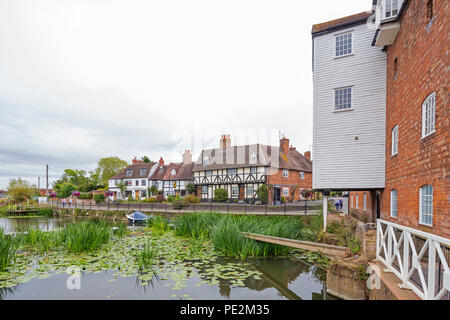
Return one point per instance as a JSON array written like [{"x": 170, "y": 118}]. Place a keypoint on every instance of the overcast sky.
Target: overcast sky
[{"x": 85, "y": 79}]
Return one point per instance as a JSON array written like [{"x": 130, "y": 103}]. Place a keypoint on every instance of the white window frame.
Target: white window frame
[
  {"x": 285, "y": 192},
  {"x": 250, "y": 194},
  {"x": 426, "y": 205},
  {"x": 394, "y": 201},
  {"x": 233, "y": 189},
  {"x": 142, "y": 172},
  {"x": 173, "y": 172},
  {"x": 285, "y": 173},
  {"x": 357, "y": 200},
  {"x": 302, "y": 175},
  {"x": 252, "y": 169},
  {"x": 394, "y": 142},
  {"x": 204, "y": 188},
  {"x": 232, "y": 171},
  {"x": 335, "y": 100},
  {"x": 253, "y": 158},
  {"x": 205, "y": 161},
  {"x": 143, "y": 182},
  {"x": 429, "y": 115},
  {"x": 364, "y": 202},
  {"x": 336, "y": 37},
  {"x": 208, "y": 173},
  {"x": 129, "y": 173},
  {"x": 391, "y": 3}
]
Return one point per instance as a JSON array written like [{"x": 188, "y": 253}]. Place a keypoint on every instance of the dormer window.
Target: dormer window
[
  {"x": 161, "y": 168},
  {"x": 173, "y": 172},
  {"x": 253, "y": 158},
  {"x": 391, "y": 9},
  {"x": 142, "y": 172},
  {"x": 205, "y": 161},
  {"x": 129, "y": 173}
]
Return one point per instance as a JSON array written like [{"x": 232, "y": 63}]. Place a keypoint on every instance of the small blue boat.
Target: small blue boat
[{"x": 137, "y": 217}]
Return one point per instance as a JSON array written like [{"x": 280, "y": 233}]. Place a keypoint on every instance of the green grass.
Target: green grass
[
  {"x": 146, "y": 257},
  {"x": 8, "y": 248},
  {"x": 225, "y": 232},
  {"x": 39, "y": 240},
  {"x": 85, "y": 236}
]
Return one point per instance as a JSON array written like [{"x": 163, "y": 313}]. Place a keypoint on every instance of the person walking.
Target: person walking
[
  {"x": 64, "y": 202},
  {"x": 70, "y": 202},
  {"x": 341, "y": 204},
  {"x": 336, "y": 204}
]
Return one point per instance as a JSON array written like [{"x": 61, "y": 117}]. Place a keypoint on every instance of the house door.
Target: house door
[{"x": 277, "y": 196}]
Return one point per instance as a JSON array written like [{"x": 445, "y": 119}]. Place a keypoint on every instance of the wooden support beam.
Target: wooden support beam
[{"x": 326, "y": 249}]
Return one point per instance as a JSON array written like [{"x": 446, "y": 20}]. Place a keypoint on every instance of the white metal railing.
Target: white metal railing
[{"x": 394, "y": 237}]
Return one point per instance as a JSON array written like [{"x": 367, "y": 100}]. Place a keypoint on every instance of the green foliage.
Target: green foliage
[
  {"x": 344, "y": 230},
  {"x": 99, "y": 197},
  {"x": 362, "y": 272},
  {"x": 191, "y": 188},
  {"x": 171, "y": 198},
  {"x": 108, "y": 167},
  {"x": 79, "y": 179},
  {"x": 121, "y": 230},
  {"x": 263, "y": 194},
  {"x": 47, "y": 212},
  {"x": 192, "y": 198},
  {"x": 85, "y": 195},
  {"x": 146, "y": 257},
  {"x": 225, "y": 232},
  {"x": 8, "y": 248},
  {"x": 315, "y": 257},
  {"x": 153, "y": 190},
  {"x": 220, "y": 195},
  {"x": 85, "y": 236},
  {"x": 283, "y": 199},
  {"x": 145, "y": 159},
  {"x": 19, "y": 190},
  {"x": 65, "y": 190},
  {"x": 39, "y": 240}
]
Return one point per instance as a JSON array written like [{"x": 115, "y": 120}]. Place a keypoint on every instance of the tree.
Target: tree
[
  {"x": 122, "y": 187},
  {"x": 145, "y": 159},
  {"x": 108, "y": 167},
  {"x": 65, "y": 190},
  {"x": 220, "y": 195},
  {"x": 263, "y": 194},
  {"x": 190, "y": 187},
  {"x": 153, "y": 190},
  {"x": 19, "y": 190}
]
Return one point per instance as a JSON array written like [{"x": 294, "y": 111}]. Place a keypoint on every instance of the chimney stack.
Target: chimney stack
[
  {"x": 291, "y": 148},
  {"x": 135, "y": 161},
  {"x": 284, "y": 146},
  {"x": 161, "y": 161},
  {"x": 308, "y": 155},
  {"x": 225, "y": 142},
  {"x": 187, "y": 157}
]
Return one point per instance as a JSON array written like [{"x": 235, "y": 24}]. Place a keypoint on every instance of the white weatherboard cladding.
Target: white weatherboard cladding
[{"x": 340, "y": 161}]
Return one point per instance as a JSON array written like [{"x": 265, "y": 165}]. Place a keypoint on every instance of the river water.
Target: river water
[{"x": 281, "y": 279}]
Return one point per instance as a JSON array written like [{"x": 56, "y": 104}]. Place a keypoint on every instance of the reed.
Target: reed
[
  {"x": 8, "y": 248},
  {"x": 146, "y": 257},
  {"x": 85, "y": 236},
  {"x": 225, "y": 232},
  {"x": 39, "y": 240}
]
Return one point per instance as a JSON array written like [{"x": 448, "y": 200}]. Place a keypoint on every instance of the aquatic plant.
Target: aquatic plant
[
  {"x": 48, "y": 212},
  {"x": 8, "y": 248},
  {"x": 85, "y": 236},
  {"x": 146, "y": 257},
  {"x": 39, "y": 240},
  {"x": 121, "y": 230}
]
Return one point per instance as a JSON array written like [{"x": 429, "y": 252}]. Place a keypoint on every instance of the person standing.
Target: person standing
[
  {"x": 70, "y": 202},
  {"x": 64, "y": 202}
]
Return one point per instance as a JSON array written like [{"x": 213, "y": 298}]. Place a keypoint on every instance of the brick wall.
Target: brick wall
[
  {"x": 421, "y": 50},
  {"x": 292, "y": 181},
  {"x": 359, "y": 195}
]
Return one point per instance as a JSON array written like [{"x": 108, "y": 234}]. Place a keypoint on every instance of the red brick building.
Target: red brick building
[{"x": 417, "y": 192}]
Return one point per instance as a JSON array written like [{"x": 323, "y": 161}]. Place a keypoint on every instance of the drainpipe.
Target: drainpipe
[{"x": 325, "y": 212}]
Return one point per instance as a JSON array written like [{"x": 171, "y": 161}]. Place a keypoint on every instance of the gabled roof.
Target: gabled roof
[
  {"x": 182, "y": 172},
  {"x": 136, "y": 171},
  {"x": 240, "y": 156},
  {"x": 340, "y": 23}
]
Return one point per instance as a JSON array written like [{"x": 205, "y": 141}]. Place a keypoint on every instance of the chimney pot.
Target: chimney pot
[
  {"x": 308, "y": 155},
  {"x": 225, "y": 142},
  {"x": 161, "y": 161},
  {"x": 284, "y": 146}
]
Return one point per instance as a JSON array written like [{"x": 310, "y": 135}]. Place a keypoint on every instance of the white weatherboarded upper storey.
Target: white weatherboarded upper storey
[{"x": 349, "y": 144}]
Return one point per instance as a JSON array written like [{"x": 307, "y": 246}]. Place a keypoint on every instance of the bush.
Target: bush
[
  {"x": 283, "y": 199},
  {"x": 85, "y": 195},
  {"x": 99, "y": 197},
  {"x": 192, "y": 199},
  {"x": 220, "y": 195},
  {"x": 263, "y": 194},
  {"x": 65, "y": 190},
  {"x": 159, "y": 198},
  {"x": 150, "y": 200}
]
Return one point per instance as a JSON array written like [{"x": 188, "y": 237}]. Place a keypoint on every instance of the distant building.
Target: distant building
[
  {"x": 168, "y": 179},
  {"x": 3, "y": 194},
  {"x": 242, "y": 170}
]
